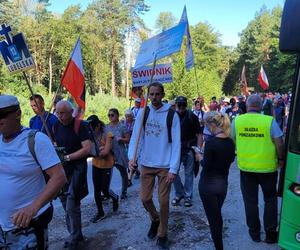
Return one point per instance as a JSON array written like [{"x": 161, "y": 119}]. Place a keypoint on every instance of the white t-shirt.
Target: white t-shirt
[{"x": 21, "y": 179}]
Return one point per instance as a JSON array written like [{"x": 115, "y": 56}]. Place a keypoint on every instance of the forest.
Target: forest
[{"x": 111, "y": 32}]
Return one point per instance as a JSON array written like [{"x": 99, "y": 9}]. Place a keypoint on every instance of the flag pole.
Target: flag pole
[
  {"x": 196, "y": 81},
  {"x": 142, "y": 119},
  {"x": 35, "y": 102},
  {"x": 52, "y": 103}
]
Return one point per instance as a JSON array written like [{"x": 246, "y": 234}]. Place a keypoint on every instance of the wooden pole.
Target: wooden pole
[
  {"x": 42, "y": 118},
  {"x": 142, "y": 119},
  {"x": 196, "y": 81}
]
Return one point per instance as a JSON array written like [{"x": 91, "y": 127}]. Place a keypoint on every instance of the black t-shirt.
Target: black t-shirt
[
  {"x": 65, "y": 136},
  {"x": 219, "y": 153},
  {"x": 190, "y": 126},
  {"x": 233, "y": 113}
]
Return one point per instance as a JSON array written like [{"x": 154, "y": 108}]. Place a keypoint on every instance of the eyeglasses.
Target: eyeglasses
[
  {"x": 181, "y": 104},
  {"x": 7, "y": 113},
  {"x": 111, "y": 115}
]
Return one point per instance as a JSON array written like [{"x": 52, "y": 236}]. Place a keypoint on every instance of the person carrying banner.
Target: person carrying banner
[
  {"x": 38, "y": 106},
  {"x": 159, "y": 157},
  {"x": 260, "y": 150},
  {"x": 74, "y": 136},
  {"x": 190, "y": 137},
  {"x": 24, "y": 195}
]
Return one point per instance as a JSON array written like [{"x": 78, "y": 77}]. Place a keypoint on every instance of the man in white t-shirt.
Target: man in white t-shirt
[{"x": 26, "y": 212}]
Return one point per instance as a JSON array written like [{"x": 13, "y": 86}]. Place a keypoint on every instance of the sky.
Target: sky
[{"x": 228, "y": 17}]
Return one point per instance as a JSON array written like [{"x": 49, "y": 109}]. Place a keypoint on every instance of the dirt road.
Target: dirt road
[{"x": 127, "y": 228}]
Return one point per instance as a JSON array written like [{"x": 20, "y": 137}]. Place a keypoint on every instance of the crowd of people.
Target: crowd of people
[{"x": 158, "y": 141}]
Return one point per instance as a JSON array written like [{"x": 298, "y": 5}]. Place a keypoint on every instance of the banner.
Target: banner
[
  {"x": 189, "y": 55},
  {"x": 142, "y": 76},
  {"x": 263, "y": 79},
  {"x": 14, "y": 51},
  {"x": 161, "y": 45}
]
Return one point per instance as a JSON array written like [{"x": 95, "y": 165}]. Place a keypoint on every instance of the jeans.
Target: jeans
[
  {"x": 71, "y": 205},
  {"x": 213, "y": 192},
  {"x": 101, "y": 181},
  {"x": 124, "y": 176},
  {"x": 249, "y": 186},
  {"x": 148, "y": 176},
  {"x": 186, "y": 190}
]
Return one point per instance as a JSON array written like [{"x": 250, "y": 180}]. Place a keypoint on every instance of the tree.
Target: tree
[{"x": 164, "y": 21}]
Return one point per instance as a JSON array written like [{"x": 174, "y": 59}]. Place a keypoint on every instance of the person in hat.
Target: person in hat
[
  {"x": 190, "y": 133},
  {"x": 102, "y": 168},
  {"x": 26, "y": 212},
  {"x": 136, "y": 108}
]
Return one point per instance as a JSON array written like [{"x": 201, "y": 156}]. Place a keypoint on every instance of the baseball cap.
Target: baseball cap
[
  {"x": 181, "y": 99},
  {"x": 137, "y": 100}
]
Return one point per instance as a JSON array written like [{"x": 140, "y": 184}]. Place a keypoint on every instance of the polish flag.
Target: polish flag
[
  {"x": 73, "y": 77},
  {"x": 262, "y": 79}
]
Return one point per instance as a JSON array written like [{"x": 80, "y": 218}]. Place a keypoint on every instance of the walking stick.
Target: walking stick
[
  {"x": 142, "y": 119},
  {"x": 35, "y": 102}
]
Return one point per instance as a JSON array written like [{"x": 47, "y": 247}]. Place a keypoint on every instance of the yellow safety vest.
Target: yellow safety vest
[{"x": 256, "y": 151}]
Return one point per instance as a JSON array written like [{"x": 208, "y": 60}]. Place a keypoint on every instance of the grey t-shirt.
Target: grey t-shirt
[{"x": 118, "y": 148}]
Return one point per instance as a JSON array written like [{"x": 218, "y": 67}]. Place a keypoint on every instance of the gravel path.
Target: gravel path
[{"x": 188, "y": 229}]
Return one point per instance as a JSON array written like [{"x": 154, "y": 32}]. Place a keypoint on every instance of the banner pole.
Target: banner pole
[
  {"x": 42, "y": 118},
  {"x": 196, "y": 81},
  {"x": 142, "y": 119}
]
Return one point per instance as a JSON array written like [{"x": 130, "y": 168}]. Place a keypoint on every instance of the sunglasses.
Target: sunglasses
[
  {"x": 111, "y": 115},
  {"x": 7, "y": 113}
]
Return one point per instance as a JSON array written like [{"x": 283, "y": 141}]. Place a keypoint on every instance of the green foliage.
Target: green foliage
[{"x": 164, "y": 21}]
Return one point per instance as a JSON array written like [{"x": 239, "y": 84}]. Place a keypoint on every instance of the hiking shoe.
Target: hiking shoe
[
  {"x": 153, "y": 229},
  {"x": 188, "y": 202},
  {"x": 116, "y": 204},
  {"x": 176, "y": 201},
  {"x": 97, "y": 217},
  {"x": 271, "y": 237},
  {"x": 255, "y": 237},
  {"x": 162, "y": 242}
]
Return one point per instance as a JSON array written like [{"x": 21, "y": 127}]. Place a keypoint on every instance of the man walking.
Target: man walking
[
  {"x": 260, "y": 150},
  {"x": 74, "y": 136},
  {"x": 190, "y": 133},
  {"x": 38, "y": 106},
  {"x": 25, "y": 211},
  {"x": 159, "y": 157}
]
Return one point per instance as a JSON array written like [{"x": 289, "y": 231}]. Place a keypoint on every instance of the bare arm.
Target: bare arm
[
  {"x": 83, "y": 152},
  {"x": 107, "y": 147},
  {"x": 56, "y": 181},
  {"x": 279, "y": 144},
  {"x": 125, "y": 138}
]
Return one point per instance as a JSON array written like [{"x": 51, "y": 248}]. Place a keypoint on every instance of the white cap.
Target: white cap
[
  {"x": 137, "y": 100},
  {"x": 8, "y": 101}
]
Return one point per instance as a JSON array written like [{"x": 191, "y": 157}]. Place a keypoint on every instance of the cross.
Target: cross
[{"x": 4, "y": 31}]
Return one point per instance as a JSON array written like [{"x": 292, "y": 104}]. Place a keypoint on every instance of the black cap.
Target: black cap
[{"x": 181, "y": 99}]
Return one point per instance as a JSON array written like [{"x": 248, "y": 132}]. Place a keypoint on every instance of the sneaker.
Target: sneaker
[
  {"x": 153, "y": 229},
  {"x": 137, "y": 174},
  {"x": 271, "y": 237},
  {"x": 162, "y": 242},
  {"x": 188, "y": 202},
  {"x": 116, "y": 204},
  {"x": 176, "y": 201},
  {"x": 97, "y": 217},
  {"x": 255, "y": 237}
]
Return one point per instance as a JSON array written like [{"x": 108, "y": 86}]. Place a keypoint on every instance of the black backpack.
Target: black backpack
[{"x": 169, "y": 121}]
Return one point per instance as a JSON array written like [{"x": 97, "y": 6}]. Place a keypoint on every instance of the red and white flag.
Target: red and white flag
[
  {"x": 262, "y": 79},
  {"x": 73, "y": 77}
]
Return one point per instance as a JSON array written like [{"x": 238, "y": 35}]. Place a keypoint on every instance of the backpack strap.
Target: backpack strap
[
  {"x": 31, "y": 144},
  {"x": 147, "y": 111},
  {"x": 170, "y": 115},
  {"x": 77, "y": 123}
]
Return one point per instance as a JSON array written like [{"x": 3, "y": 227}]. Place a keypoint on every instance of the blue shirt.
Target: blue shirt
[{"x": 37, "y": 124}]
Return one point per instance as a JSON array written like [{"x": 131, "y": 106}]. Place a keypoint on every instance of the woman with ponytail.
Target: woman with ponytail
[{"x": 219, "y": 153}]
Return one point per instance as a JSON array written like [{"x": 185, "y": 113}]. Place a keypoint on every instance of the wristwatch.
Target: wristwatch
[{"x": 67, "y": 158}]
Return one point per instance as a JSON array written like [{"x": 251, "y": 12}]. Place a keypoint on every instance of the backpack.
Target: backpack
[
  {"x": 169, "y": 121},
  {"x": 94, "y": 152}
]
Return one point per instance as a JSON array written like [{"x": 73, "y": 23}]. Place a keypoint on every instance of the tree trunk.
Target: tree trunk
[
  {"x": 50, "y": 73},
  {"x": 113, "y": 76}
]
